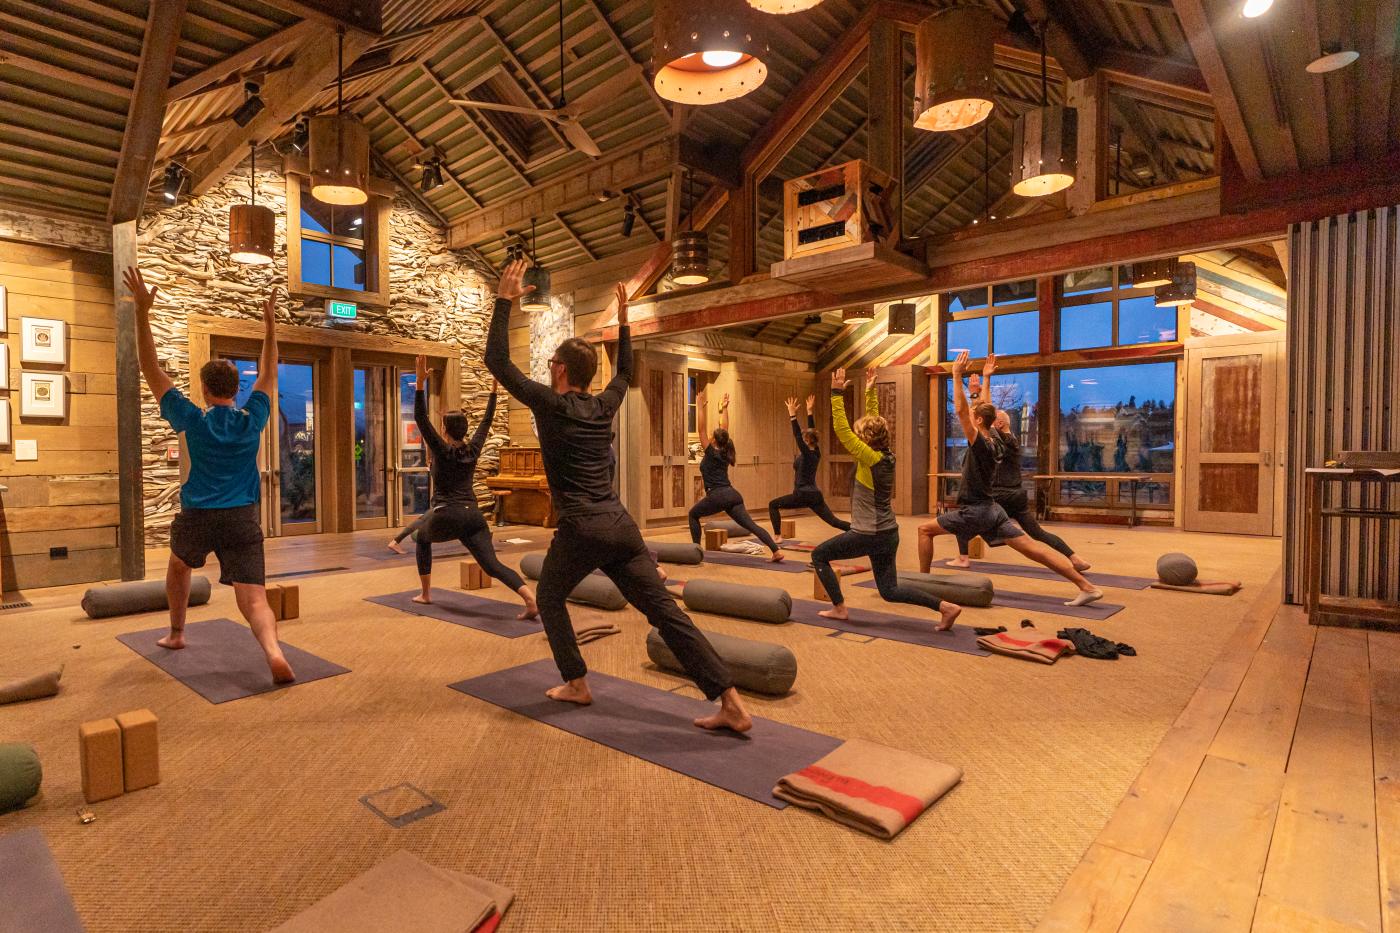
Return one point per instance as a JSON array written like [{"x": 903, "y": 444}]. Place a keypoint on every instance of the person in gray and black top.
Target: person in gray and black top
[
  {"x": 720, "y": 495},
  {"x": 454, "y": 513},
  {"x": 805, "y": 494},
  {"x": 595, "y": 531}
]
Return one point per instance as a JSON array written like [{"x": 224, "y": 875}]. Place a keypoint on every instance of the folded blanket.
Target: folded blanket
[
  {"x": 1209, "y": 589},
  {"x": 586, "y": 630},
  {"x": 845, "y": 570},
  {"x": 1029, "y": 643},
  {"x": 30, "y": 688},
  {"x": 744, "y": 547},
  {"x": 404, "y": 893},
  {"x": 869, "y": 787}
]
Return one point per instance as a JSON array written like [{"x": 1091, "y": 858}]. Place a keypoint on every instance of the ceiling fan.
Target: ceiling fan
[{"x": 567, "y": 115}]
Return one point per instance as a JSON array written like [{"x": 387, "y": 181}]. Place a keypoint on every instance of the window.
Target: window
[
  {"x": 690, "y": 416},
  {"x": 1155, "y": 142},
  {"x": 335, "y": 250},
  {"x": 1017, "y": 394},
  {"x": 1100, "y": 308},
  {"x": 1003, "y": 319},
  {"x": 1118, "y": 419}
]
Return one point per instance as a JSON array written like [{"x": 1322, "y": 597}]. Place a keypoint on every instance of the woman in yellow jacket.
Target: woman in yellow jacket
[{"x": 874, "y": 530}]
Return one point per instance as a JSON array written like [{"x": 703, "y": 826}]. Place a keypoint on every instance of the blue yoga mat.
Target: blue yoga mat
[
  {"x": 656, "y": 726},
  {"x": 1037, "y": 572},
  {"x": 484, "y": 615}
]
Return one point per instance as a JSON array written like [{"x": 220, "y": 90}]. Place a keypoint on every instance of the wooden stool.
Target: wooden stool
[
  {"x": 977, "y": 548},
  {"x": 100, "y": 759},
  {"x": 140, "y": 749},
  {"x": 789, "y": 528},
  {"x": 473, "y": 577},
  {"x": 715, "y": 538},
  {"x": 501, "y": 496}
]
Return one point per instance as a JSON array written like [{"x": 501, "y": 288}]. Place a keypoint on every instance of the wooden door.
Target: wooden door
[
  {"x": 663, "y": 412},
  {"x": 1232, "y": 394}
]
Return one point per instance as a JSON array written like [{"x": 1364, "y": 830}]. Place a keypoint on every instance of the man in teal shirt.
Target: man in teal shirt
[{"x": 219, "y": 499}]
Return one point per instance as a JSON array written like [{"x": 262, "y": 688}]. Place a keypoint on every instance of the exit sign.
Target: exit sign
[{"x": 342, "y": 310}]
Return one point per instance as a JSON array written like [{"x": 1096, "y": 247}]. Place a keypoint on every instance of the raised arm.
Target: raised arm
[
  {"x": 841, "y": 426},
  {"x": 621, "y": 381},
  {"x": 266, "y": 382},
  {"x": 811, "y": 407},
  {"x": 796, "y": 428},
  {"x": 430, "y": 436},
  {"x": 497, "y": 355},
  {"x": 156, "y": 378},
  {"x": 724, "y": 412},
  {"x": 960, "y": 404},
  {"x": 483, "y": 428}
]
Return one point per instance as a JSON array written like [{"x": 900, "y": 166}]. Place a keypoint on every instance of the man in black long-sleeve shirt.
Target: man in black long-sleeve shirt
[
  {"x": 595, "y": 531},
  {"x": 805, "y": 494}
]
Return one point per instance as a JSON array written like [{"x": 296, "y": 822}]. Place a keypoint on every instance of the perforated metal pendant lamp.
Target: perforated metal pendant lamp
[
  {"x": 1182, "y": 288},
  {"x": 1152, "y": 273},
  {"x": 902, "y": 316},
  {"x": 252, "y": 228},
  {"x": 1045, "y": 144},
  {"x": 338, "y": 156},
  {"x": 707, "y": 51},
  {"x": 858, "y": 314},
  {"x": 955, "y": 77},
  {"x": 690, "y": 264},
  {"x": 783, "y": 6}
]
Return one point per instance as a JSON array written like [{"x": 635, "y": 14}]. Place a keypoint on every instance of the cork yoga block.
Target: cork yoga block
[
  {"x": 100, "y": 759},
  {"x": 473, "y": 577},
  {"x": 977, "y": 548},
  {"x": 788, "y": 527},
  {"x": 140, "y": 749},
  {"x": 274, "y": 600},
  {"x": 715, "y": 538},
  {"x": 819, "y": 591},
  {"x": 291, "y": 602}
]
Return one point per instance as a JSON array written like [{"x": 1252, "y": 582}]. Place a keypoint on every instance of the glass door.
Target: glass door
[
  {"x": 415, "y": 485},
  {"x": 372, "y": 446},
  {"x": 287, "y": 458}
]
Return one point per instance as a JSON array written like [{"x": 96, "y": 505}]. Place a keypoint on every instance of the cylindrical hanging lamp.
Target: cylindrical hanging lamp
[
  {"x": 706, "y": 51},
  {"x": 858, "y": 314},
  {"x": 1182, "y": 288},
  {"x": 690, "y": 264},
  {"x": 252, "y": 228},
  {"x": 1152, "y": 273},
  {"x": 338, "y": 149},
  {"x": 954, "y": 79},
  {"x": 1047, "y": 142},
  {"x": 902, "y": 315},
  {"x": 783, "y": 6},
  {"x": 538, "y": 276}
]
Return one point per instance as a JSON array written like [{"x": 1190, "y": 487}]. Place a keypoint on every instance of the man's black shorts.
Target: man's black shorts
[{"x": 234, "y": 535}]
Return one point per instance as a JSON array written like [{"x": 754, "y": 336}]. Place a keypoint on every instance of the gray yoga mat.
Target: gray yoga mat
[
  {"x": 891, "y": 627},
  {"x": 757, "y": 563},
  {"x": 375, "y": 550},
  {"x": 484, "y": 615},
  {"x": 33, "y": 897},
  {"x": 657, "y": 726},
  {"x": 222, "y": 660},
  {"x": 1036, "y": 602},
  {"x": 1037, "y": 572}
]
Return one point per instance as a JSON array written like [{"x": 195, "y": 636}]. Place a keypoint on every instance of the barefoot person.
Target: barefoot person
[
  {"x": 576, "y": 435},
  {"x": 874, "y": 531},
  {"x": 219, "y": 499},
  {"x": 453, "y": 513},
  {"x": 805, "y": 494},
  {"x": 720, "y": 496},
  {"x": 1007, "y": 490},
  {"x": 977, "y": 512}
]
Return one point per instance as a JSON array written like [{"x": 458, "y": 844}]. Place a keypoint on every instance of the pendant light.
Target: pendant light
[
  {"x": 690, "y": 249},
  {"x": 1182, "y": 288},
  {"x": 1152, "y": 273},
  {"x": 858, "y": 314},
  {"x": 252, "y": 229},
  {"x": 538, "y": 276},
  {"x": 955, "y": 80},
  {"x": 338, "y": 150},
  {"x": 783, "y": 6},
  {"x": 1046, "y": 144},
  {"x": 706, "y": 51},
  {"x": 902, "y": 314}
]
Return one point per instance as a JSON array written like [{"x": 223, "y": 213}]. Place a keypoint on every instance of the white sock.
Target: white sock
[{"x": 1084, "y": 599}]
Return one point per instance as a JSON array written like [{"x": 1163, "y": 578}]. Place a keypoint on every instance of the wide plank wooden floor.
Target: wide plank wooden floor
[{"x": 1271, "y": 804}]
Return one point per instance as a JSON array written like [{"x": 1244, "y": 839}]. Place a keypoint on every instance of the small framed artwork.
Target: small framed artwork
[
  {"x": 44, "y": 341},
  {"x": 43, "y": 395},
  {"x": 4, "y": 422},
  {"x": 4, "y": 366}
]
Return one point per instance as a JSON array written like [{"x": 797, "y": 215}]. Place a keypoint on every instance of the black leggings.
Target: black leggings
[
  {"x": 804, "y": 499},
  {"x": 881, "y": 548},
  {"x": 1020, "y": 511},
  {"x": 456, "y": 522},
  {"x": 612, "y": 543},
  {"x": 417, "y": 523},
  {"x": 726, "y": 499}
]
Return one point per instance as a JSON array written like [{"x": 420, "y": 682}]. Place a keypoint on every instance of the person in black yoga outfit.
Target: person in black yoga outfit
[
  {"x": 594, "y": 530},
  {"x": 396, "y": 542},
  {"x": 720, "y": 496},
  {"x": 805, "y": 494},
  {"x": 453, "y": 513}
]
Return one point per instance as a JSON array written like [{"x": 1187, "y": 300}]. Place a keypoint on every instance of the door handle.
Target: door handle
[{"x": 1268, "y": 457}]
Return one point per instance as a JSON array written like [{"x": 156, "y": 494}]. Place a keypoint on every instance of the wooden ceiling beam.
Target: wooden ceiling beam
[
  {"x": 573, "y": 235},
  {"x": 1136, "y": 122},
  {"x": 626, "y": 54},
  {"x": 146, "y": 112},
  {"x": 1195, "y": 23},
  {"x": 415, "y": 140},
  {"x": 357, "y": 16},
  {"x": 1061, "y": 38},
  {"x": 542, "y": 99},
  {"x": 294, "y": 34},
  {"x": 56, "y": 73},
  {"x": 1378, "y": 66},
  {"x": 1166, "y": 75},
  {"x": 473, "y": 122}
]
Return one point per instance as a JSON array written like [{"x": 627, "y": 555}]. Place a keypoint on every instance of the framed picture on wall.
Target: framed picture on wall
[
  {"x": 43, "y": 395},
  {"x": 4, "y": 366},
  {"x": 44, "y": 341},
  {"x": 4, "y": 422}
]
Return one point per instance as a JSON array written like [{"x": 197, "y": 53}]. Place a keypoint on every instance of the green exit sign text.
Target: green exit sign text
[{"x": 342, "y": 310}]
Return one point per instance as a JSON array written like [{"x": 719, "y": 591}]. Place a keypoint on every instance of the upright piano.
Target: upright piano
[{"x": 522, "y": 475}]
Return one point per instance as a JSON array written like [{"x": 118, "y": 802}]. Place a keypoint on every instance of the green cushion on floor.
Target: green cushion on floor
[{"x": 20, "y": 774}]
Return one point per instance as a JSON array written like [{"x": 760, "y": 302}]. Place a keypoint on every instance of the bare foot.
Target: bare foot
[
  {"x": 531, "y": 611},
  {"x": 1079, "y": 563},
  {"x": 835, "y": 612},
  {"x": 1084, "y": 599},
  {"x": 947, "y": 615},
  {"x": 777, "y": 557},
  {"x": 396, "y": 547},
  {"x": 423, "y": 600},
  {"x": 661, "y": 573},
  {"x": 173, "y": 641},
  {"x": 962, "y": 562},
  {"x": 281, "y": 670},
  {"x": 575, "y": 691},
  {"x": 728, "y": 717}
]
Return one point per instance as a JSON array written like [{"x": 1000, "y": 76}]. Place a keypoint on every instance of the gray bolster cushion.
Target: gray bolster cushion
[
  {"x": 677, "y": 552},
  {"x": 758, "y": 603},
  {"x": 20, "y": 775},
  {"x": 755, "y": 665},
  {"x": 735, "y": 529},
  {"x": 1177, "y": 569},
  {"x": 593, "y": 590},
  {"x": 122, "y": 599},
  {"x": 30, "y": 688},
  {"x": 965, "y": 589}
]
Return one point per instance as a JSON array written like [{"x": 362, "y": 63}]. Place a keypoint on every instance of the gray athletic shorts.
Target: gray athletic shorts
[{"x": 986, "y": 519}]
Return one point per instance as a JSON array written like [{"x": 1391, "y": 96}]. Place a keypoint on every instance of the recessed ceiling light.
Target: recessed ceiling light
[
  {"x": 1253, "y": 8},
  {"x": 1332, "y": 61}
]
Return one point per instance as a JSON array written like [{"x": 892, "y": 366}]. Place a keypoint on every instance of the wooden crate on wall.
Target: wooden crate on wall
[{"x": 847, "y": 205}]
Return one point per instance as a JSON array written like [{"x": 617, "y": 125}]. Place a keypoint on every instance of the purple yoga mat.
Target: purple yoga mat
[
  {"x": 375, "y": 550},
  {"x": 1035, "y": 602},
  {"x": 32, "y": 892},
  {"x": 757, "y": 563},
  {"x": 222, "y": 660},
  {"x": 1037, "y": 572},
  {"x": 484, "y": 615},
  {"x": 891, "y": 627},
  {"x": 657, "y": 726}
]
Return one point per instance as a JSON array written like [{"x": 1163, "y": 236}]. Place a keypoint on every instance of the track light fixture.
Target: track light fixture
[
  {"x": 629, "y": 218},
  {"x": 300, "y": 136},
  {"x": 175, "y": 175},
  {"x": 432, "y": 175},
  {"x": 252, "y": 105}
]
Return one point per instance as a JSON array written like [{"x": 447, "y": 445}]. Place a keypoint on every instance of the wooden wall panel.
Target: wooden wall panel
[
  {"x": 68, "y": 497},
  {"x": 1344, "y": 363}
]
